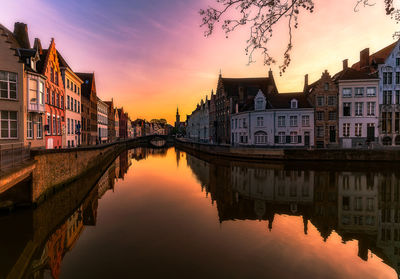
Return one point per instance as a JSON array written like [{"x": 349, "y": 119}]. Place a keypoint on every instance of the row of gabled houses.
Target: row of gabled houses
[
  {"x": 44, "y": 103},
  {"x": 356, "y": 107}
]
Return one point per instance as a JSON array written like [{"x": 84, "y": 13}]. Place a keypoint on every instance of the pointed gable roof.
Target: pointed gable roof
[
  {"x": 378, "y": 57},
  {"x": 88, "y": 83}
]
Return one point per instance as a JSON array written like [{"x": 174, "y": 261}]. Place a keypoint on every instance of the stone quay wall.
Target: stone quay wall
[
  {"x": 264, "y": 154},
  {"x": 55, "y": 168}
]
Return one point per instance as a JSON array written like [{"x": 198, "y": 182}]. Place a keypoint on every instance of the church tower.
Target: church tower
[{"x": 178, "y": 119}]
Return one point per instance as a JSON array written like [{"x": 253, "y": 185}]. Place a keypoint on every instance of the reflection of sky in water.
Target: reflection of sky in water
[{"x": 174, "y": 216}]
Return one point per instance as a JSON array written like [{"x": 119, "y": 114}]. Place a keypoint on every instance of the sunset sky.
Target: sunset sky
[{"x": 151, "y": 55}]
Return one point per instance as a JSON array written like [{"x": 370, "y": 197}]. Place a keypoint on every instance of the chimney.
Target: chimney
[
  {"x": 21, "y": 34},
  {"x": 270, "y": 74},
  {"x": 364, "y": 58},
  {"x": 345, "y": 64},
  {"x": 305, "y": 80},
  {"x": 38, "y": 46}
]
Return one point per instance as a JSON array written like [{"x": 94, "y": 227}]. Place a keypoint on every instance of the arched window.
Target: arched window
[
  {"x": 293, "y": 104},
  {"x": 387, "y": 141},
  {"x": 260, "y": 137},
  {"x": 397, "y": 140}
]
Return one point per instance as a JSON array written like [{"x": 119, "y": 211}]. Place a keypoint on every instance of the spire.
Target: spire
[{"x": 220, "y": 72}]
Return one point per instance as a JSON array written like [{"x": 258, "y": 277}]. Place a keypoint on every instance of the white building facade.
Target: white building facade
[
  {"x": 198, "y": 127},
  {"x": 102, "y": 121},
  {"x": 358, "y": 109},
  {"x": 287, "y": 120},
  {"x": 72, "y": 101}
]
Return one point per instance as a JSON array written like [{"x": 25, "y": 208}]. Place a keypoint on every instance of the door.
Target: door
[
  {"x": 307, "y": 139},
  {"x": 370, "y": 133},
  {"x": 332, "y": 134}
]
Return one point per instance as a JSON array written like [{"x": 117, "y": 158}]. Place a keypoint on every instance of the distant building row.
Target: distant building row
[
  {"x": 357, "y": 107},
  {"x": 45, "y": 104}
]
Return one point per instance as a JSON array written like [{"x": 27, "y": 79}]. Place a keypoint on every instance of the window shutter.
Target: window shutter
[
  {"x": 276, "y": 139},
  {"x": 299, "y": 139},
  {"x": 287, "y": 139}
]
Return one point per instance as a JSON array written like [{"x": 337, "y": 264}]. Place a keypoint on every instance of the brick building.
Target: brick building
[
  {"x": 89, "y": 109},
  {"x": 323, "y": 95},
  {"x": 55, "y": 111}
]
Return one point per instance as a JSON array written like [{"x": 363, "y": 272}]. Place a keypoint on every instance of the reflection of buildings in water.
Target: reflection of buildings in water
[
  {"x": 362, "y": 206},
  {"x": 178, "y": 156},
  {"x": 107, "y": 181},
  {"x": 358, "y": 202},
  {"x": 388, "y": 238},
  {"x": 64, "y": 238}
]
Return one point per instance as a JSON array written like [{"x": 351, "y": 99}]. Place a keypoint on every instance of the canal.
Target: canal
[{"x": 163, "y": 213}]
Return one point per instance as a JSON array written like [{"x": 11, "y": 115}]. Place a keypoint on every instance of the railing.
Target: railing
[
  {"x": 13, "y": 154},
  {"x": 35, "y": 107}
]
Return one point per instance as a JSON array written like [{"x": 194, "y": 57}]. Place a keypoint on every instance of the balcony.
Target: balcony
[{"x": 35, "y": 107}]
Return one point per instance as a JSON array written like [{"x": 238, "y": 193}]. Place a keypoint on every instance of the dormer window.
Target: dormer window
[
  {"x": 294, "y": 104},
  {"x": 259, "y": 101},
  {"x": 326, "y": 86}
]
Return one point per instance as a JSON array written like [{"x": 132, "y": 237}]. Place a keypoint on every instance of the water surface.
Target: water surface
[{"x": 167, "y": 214}]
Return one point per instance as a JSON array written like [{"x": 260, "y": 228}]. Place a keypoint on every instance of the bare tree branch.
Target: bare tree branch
[{"x": 263, "y": 15}]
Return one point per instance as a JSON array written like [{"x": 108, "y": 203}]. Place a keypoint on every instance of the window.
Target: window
[
  {"x": 79, "y": 107},
  {"x": 54, "y": 125},
  {"x": 387, "y": 97},
  {"x": 72, "y": 104},
  {"x": 332, "y": 115},
  {"x": 397, "y": 77},
  {"x": 389, "y": 77},
  {"x": 29, "y": 127},
  {"x": 259, "y": 104},
  {"x": 68, "y": 83},
  {"x": 57, "y": 100},
  {"x": 41, "y": 93},
  {"x": 326, "y": 86},
  {"x": 39, "y": 127},
  {"x": 244, "y": 123},
  {"x": 236, "y": 123},
  {"x": 79, "y": 90},
  {"x": 53, "y": 98},
  {"x": 346, "y": 109},
  {"x": 260, "y": 138},
  {"x": 48, "y": 124},
  {"x": 282, "y": 137},
  {"x": 346, "y": 129},
  {"x": 320, "y": 131},
  {"x": 358, "y": 109},
  {"x": 8, "y": 85},
  {"x": 370, "y": 204},
  {"x": 293, "y": 137},
  {"x": 51, "y": 74},
  {"x": 68, "y": 102},
  {"x": 75, "y": 88},
  {"x": 305, "y": 120},
  {"x": 293, "y": 121},
  {"x": 56, "y": 77},
  {"x": 33, "y": 87},
  {"x": 9, "y": 124},
  {"x": 281, "y": 121},
  {"x": 68, "y": 126},
  {"x": 398, "y": 61},
  {"x": 358, "y": 203},
  {"x": 371, "y": 91},
  {"x": 358, "y": 129},
  {"x": 59, "y": 125},
  {"x": 332, "y": 101},
  {"x": 397, "y": 97},
  {"x": 293, "y": 104},
  {"x": 75, "y": 106},
  {"x": 320, "y": 115},
  {"x": 359, "y": 92},
  {"x": 347, "y": 92},
  {"x": 370, "y": 108},
  {"x": 260, "y": 121},
  {"x": 62, "y": 102},
  {"x": 320, "y": 101}
]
